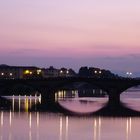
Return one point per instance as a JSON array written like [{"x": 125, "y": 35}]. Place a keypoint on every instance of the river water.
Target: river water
[{"x": 21, "y": 124}]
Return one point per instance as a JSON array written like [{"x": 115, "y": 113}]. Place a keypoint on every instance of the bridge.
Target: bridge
[{"x": 48, "y": 86}]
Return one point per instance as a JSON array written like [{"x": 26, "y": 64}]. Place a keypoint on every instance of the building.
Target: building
[
  {"x": 95, "y": 73},
  {"x": 19, "y": 72},
  {"x": 64, "y": 72},
  {"x": 50, "y": 72},
  {"x": 53, "y": 72}
]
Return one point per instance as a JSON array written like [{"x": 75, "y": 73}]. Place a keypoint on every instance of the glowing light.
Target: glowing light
[
  {"x": 30, "y": 120},
  {"x": 1, "y": 119},
  {"x": 95, "y": 129},
  {"x": 100, "y": 72},
  {"x": 61, "y": 127},
  {"x": 60, "y": 94},
  {"x": 39, "y": 71},
  {"x": 99, "y": 133},
  {"x": 129, "y": 74},
  {"x": 13, "y": 103},
  {"x": 67, "y": 126},
  {"x": 11, "y": 74},
  {"x": 27, "y": 72},
  {"x": 95, "y": 71},
  {"x": 26, "y": 104},
  {"x": 37, "y": 120},
  {"x": 39, "y": 99},
  {"x": 35, "y": 99},
  {"x": 31, "y": 73},
  {"x": 67, "y": 72},
  {"x": 10, "y": 118},
  {"x": 61, "y": 71},
  {"x": 56, "y": 98},
  {"x": 128, "y": 128},
  {"x": 2, "y": 73}
]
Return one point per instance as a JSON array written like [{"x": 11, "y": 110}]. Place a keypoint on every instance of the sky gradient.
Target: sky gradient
[{"x": 100, "y": 33}]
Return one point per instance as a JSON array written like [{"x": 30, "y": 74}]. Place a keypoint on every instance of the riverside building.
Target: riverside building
[{"x": 19, "y": 72}]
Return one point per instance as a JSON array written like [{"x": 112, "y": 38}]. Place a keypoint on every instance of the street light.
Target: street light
[
  {"x": 11, "y": 74},
  {"x": 67, "y": 71},
  {"x": 61, "y": 71},
  {"x": 39, "y": 71},
  {"x": 95, "y": 71},
  {"x": 27, "y": 72},
  {"x": 31, "y": 73},
  {"x": 100, "y": 72},
  {"x": 2, "y": 73},
  {"x": 129, "y": 74}
]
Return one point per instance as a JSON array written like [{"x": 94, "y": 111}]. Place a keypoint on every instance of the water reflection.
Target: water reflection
[
  {"x": 24, "y": 103},
  {"x": 128, "y": 128},
  {"x": 40, "y": 126},
  {"x": 97, "y": 129},
  {"x": 63, "y": 94},
  {"x": 64, "y": 124},
  {"x": 131, "y": 98},
  {"x": 26, "y": 125},
  {"x": 74, "y": 101},
  {"x": 1, "y": 122}
]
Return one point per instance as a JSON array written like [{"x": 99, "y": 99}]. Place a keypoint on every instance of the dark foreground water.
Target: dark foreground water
[{"x": 25, "y": 125}]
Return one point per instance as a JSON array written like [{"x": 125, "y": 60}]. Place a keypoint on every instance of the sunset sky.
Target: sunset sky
[{"x": 71, "y": 33}]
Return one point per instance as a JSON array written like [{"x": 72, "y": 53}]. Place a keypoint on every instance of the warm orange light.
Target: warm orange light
[
  {"x": 27, "y": 72},
  {"x": 39, "y": 71},
  {"x": 31, "y": 72}
]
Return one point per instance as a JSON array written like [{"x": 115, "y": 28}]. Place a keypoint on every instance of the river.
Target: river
[{"x": 19, "y": 123}]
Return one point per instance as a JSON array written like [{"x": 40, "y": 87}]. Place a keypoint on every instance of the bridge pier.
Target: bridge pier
[
  {"x": 47, "y": 95},
  {"x": 48, "y": 100},
  {"x": 114, "y": 100}
]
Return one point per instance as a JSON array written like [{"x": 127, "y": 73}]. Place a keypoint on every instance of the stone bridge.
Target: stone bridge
[{"x": 48, "y": 86}]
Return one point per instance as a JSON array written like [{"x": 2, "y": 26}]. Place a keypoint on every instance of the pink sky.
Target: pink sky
[{"x": 80, "y": 30}]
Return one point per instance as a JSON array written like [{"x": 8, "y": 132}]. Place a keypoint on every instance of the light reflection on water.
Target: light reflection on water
[
  {"x": 72, "y": 101},
  {"x": 27, "y": 125},
  {"x": 23, "y": 103},
  {"x": 40, "y": 126},
  {"x": 131, "y": 98}
]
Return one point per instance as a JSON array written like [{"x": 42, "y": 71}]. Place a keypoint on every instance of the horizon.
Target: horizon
[
  {"x": 124, "y": 74},
  {"x": 71, "y": 34}
]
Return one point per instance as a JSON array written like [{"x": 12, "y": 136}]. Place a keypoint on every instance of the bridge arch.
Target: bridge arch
[
  {"x": 21, "y": 88},
  {"x": 113, "y": 87},
  {"x": 131, "y": 97}
]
